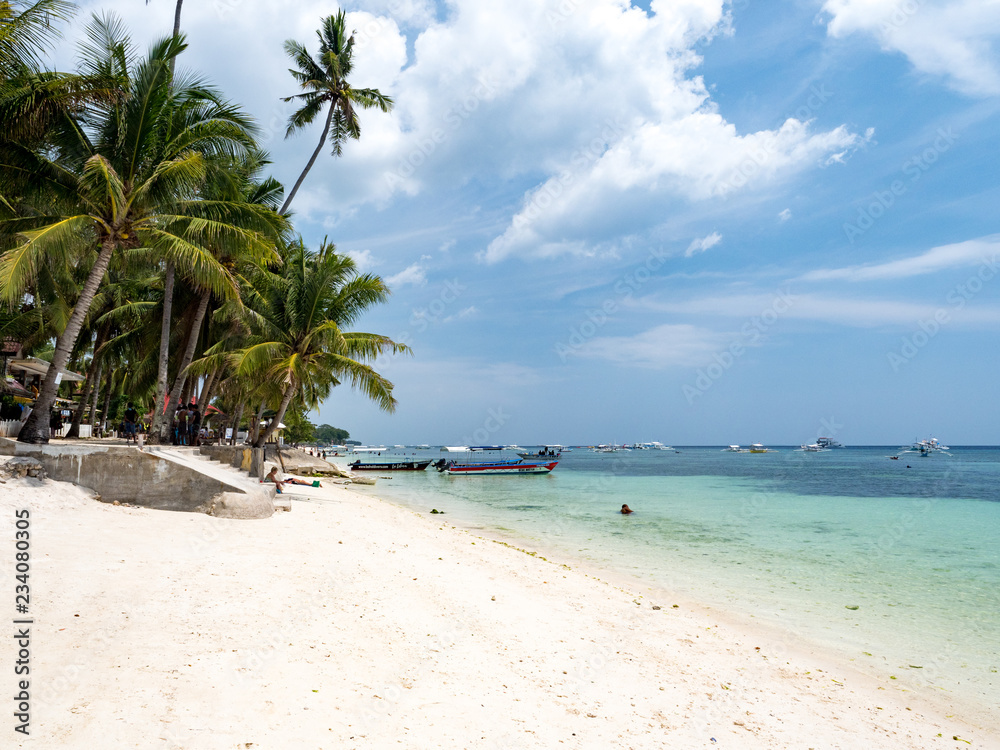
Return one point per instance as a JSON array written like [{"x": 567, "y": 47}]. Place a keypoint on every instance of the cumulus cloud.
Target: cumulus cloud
[
  {"x": 785, "y": 215},
  {"x": 970, "y": 252},
  {"x": 703, "y": 244},
  {"x": 412, "y": 275},
  {"x": 363, "y": 259},
  {"x": 956, "y": 39}
]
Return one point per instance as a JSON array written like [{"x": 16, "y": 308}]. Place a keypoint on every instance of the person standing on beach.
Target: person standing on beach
[
  {"x": 194, "y": 424},
  {"x": 131, "y": 420},
  {"x": 182, "y": 422}
]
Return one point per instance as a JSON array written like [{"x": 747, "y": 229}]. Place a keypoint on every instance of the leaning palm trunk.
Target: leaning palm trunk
[
  {"x": 312, "y": 160},
  {"x": 102, "y": 422},
  {"x": 181, "y": 379},
  {"x": 286, "y": 399},
  {"x": 96, "y": 396},
  {"x": 93, "y": 375},
  {"x": 206, "y": 389},
  {"x": 237, "y": 418},
  {"x": 157, "y": 429},
  {"x": 36, "y": 428}
]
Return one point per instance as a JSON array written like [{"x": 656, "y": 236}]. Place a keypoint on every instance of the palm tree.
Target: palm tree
[
  {"x": 26, "y": 29},
  {"x": 295, "y": 346},
  {"x": 126, "y": 177},
  {"x": 168, "y": 302},
  {"x": 325, "y": 82}
]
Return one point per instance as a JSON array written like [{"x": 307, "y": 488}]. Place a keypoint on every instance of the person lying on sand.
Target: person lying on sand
[
  {"x": 626, "y": 510},
  {"x": 272, "y": 476}
]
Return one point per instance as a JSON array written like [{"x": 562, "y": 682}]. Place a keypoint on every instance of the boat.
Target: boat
[
  {"x": 759, "y": 448},
  {"x": 812, "y": 448},
  {"x": 734, "y": 449},
  {"x": 546, "y": 451},
  {"x": 828, "y": 442},
  {"x": 480, "y": 461},
  {"x": 388, "y": 464},
  {"x": 926, "y": 447},
  {"x": 658, "y": 446}
]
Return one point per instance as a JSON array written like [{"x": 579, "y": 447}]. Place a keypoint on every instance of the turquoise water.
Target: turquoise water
[{"x": 791, "y": 538}]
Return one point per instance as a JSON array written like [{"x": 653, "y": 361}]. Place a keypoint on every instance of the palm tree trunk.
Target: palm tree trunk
[
  {"x": 107, "y": 401},
  {"x": 36, "y": 428},
  {"x": 177, "y": 30},
  {"x": 237, "y": 418},
  {"x": 93, "y": 370},
  {"x": 97, "y": 395},
  {"x": 286, "y": 399},
  {"x": 158, "y": 431},
  {"x": 206, "y": 389},
  {"x": 177, "y": 17},
  {"x": 312, "y": 160},
  {"x": 253, "y": 430},
  {"x": 192, "y": 344}
]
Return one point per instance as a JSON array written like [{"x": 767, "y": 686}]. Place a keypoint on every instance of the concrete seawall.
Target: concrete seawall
[{"x": 148, "y": 479}]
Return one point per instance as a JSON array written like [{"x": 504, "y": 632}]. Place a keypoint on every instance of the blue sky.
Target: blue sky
[{"x": 694, "y": 221}]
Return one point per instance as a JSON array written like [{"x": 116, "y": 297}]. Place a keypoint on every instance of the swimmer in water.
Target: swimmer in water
[{"x": 626, "y": 510}]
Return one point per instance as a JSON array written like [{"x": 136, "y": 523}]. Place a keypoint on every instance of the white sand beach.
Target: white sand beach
[{"x": 352, "y": 623}]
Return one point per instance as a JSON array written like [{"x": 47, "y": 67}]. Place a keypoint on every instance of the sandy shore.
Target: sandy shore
[{"x": 352, "y": 623}]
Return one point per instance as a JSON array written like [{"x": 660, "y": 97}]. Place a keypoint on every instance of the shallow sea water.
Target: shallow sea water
[{"x": 792, "y": 538}]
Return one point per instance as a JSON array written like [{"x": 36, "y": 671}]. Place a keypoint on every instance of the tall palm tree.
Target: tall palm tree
[
  {"x": 126, "y": 177},
  {"x": 295, "y": 344},
  {"x": 168, "y": 301},
  {"x": 326, "y": 86}
]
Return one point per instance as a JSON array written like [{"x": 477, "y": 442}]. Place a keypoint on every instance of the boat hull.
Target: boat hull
[
  {"x": 389, "y": 465},
  {"x": 484, "y": 469}
]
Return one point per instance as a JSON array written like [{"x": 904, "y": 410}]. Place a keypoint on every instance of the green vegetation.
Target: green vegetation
[
  {"x": 331, "y": 435},
  {"x": 142, "y": 243}
]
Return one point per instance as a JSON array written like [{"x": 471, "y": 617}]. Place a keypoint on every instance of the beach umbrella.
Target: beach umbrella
[{"x": 11, "y": 387}]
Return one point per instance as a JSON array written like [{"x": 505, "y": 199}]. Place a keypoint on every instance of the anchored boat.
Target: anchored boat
[
  {"x": 388, "y": 464},
  {"x": 488, "y": 459}
]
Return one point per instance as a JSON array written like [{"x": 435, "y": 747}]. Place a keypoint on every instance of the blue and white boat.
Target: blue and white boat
[{"x": 484, "y": 460}]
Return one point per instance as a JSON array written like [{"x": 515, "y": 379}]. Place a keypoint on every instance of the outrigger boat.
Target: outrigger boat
[
  {"x": 547, "y": 451},
  {"x": 474, "y": 466},
  {"x": 926, "y": 448},
  {"x": 812, "y": 448}
]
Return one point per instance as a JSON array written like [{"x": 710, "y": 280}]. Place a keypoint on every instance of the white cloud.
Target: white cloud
[
  {"x": 955, "y": 39},
  {"x": 785, "y": 215},
  {"x": 663, "y": 346},
  {"x": 589, "y": 103},
  {"x": 700, "y": 246},
  {"x": 412, "y": 275},
  {"x": 363, "y": 259},
  {"x": 838, "y": 310},
  {"x": 971, "y": 252},
  {"x": 463, "y": 313}
]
